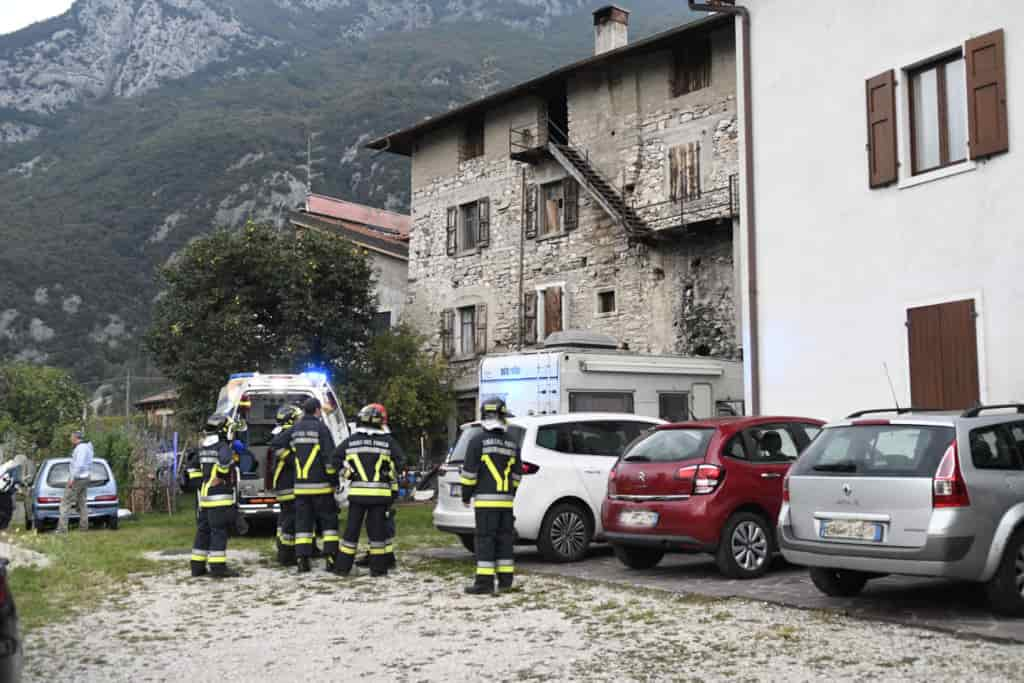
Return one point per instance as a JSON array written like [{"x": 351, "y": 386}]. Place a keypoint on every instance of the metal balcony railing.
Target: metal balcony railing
[{"x": 716, "y": 203}]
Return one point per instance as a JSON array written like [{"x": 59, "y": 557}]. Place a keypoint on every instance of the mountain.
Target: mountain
[{"x": 130, "y": 127}]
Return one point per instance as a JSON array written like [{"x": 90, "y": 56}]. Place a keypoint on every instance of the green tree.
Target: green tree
[
  {"x": 259, "y": 299},
  {"x": 34, "y": 400},
  {"x": 413, "y": 385}
]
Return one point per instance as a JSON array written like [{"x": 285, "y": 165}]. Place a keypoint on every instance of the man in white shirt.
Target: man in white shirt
[{"x": 77, "y": 492}]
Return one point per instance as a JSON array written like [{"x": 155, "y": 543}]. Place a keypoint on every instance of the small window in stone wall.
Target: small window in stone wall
[
  {"x": 472, "y": 139},
  {"x": 606, "y": 302},
  {"x": 691, "y": 68}
]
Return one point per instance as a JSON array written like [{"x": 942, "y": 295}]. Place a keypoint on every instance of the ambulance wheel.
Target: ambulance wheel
[{"x": 468, "y": 542}]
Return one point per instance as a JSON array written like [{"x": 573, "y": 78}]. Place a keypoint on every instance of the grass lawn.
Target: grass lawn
[{"x": 85, "y": 568}]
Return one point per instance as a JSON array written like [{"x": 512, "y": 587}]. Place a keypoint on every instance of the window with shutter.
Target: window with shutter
[
  {"x": 571, "y": 194},
  {"x": 530, "y": 212},
  {"x": 684, "y": 172},
  {"x": 881, "y": 110},
  {"x": 938, "y": 114},
  {"x": 986, "y": 95},
  {"x": 530, "y": 317},
  {"x": 552, "y": 310},
  {"x": 692, "y": 67},
  {"x": 484, "y": 222},
  {"x": 453, "y": 226},
  {"x": 481, "y": 329},
  {"x": 448, "y": 333}
]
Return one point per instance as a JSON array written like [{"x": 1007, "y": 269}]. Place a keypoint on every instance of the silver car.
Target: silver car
[{"x": 910, "y": 492}]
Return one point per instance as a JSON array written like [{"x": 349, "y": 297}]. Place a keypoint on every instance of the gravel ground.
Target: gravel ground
[
  {"x": 417, "y": 625},
  {"x": 22, "y": 557}
]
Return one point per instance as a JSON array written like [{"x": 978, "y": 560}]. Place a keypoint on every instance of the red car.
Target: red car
[{"x": 712, "y": 486}]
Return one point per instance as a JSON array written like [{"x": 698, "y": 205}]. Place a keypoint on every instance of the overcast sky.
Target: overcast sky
[{"x": 15, "y": 14}]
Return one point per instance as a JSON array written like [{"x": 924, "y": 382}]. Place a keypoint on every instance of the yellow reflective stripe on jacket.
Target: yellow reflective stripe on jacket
[
  {"x": 354, "y": 458},
  {"x": 304, "y": 470},
  {"x": 501, "y": 482},
  {"x": 195, "y": 474},
  {"x": 492, "y": 503},
  {"x": 381, "y": 459},
  {"x": 313, "y": 492},
  {"x": 356, "y": 490}
]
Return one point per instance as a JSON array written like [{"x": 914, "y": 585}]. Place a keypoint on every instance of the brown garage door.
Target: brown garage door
[{"x": 943, "y": 355}]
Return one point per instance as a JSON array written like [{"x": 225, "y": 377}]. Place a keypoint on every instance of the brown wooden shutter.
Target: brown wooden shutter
[
  {"x": 881, "y": 106},
  {"x": 986, "y": 95},
  {"x": 480, "y": 323},
  {"x": 530, "y": 317},
  {"x": 484, "y": 225},
  {"x": 943, "y": 345},
  {"x": 453, "y": 227},
  {"x": 448, "y": 332},
  {"x": 571, "y": 197},
  {"x": 552, "y": 310},
  {"x": 530, "y": 212}
]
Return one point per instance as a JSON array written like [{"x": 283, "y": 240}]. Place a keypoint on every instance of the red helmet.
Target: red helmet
[{"x": 373, "y": 415}]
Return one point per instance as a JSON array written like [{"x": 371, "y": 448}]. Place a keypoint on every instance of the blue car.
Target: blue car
[{"x": 42, "y": 507}]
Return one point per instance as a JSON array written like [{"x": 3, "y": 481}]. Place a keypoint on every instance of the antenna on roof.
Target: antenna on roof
[{"x": 891, "y": 387}]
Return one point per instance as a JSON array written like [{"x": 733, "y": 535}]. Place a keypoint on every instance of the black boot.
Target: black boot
[
  {"x": 222, "y": 571},
  {"x": 198, "y": 569},
  {"x": 286, "y": 557},
  {"x": 303, "y": 564},
  {"x": 484, "y": 585},
  {"x": 504, "y": 583},
  {"x": 391, "y": 562}
]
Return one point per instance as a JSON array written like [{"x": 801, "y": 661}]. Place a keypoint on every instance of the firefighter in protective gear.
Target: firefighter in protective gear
[
  {"x": 216, "y": 501},
  {"x": 315, "y": 475},
  {"x": 490, "y": 477},
  {"x": 371, "y": 459},
  {"x": 283, "y": 462}
]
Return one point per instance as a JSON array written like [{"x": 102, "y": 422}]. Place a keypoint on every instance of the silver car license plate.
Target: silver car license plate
[
  {"x": 456, "y": 490},
  {"x": 851, "y": 529},
  {"x": 639, "y": 518}
]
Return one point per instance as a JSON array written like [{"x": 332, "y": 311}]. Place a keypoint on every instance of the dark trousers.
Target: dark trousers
[
  {"x": 211, "y": 544},
  {"x": 286, "y": 533},
  {"x": 389, "y": 534},
  {"x": 495, "y": 543},
  {"x": 376, "y": 529},
  {"x": 311, "y": 511}
]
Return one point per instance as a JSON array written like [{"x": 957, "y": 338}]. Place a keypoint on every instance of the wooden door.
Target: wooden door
[
  {"x": 943, "y": 344},
  {"x": 552, "y": 310}
]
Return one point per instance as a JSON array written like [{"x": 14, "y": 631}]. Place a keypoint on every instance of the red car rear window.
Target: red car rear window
[{"x": 671, "y": 445}]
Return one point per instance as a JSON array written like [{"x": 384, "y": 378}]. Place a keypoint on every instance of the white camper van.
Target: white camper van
[{"x": 582, "y": 372}]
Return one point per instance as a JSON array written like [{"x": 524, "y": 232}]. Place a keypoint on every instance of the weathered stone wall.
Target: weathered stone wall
[{"x": 677, "y": 295}]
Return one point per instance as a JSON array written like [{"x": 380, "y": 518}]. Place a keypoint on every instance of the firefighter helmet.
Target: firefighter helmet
[
  {"x": 494, "y": 409},
  {"x": 288, "y": 414},
  {"x": 217, "y": 424},
  {"x": 373, "y": 415}
]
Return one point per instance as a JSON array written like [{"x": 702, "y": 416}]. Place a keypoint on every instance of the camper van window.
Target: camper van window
[
  {"x": 674, "y": 407},
  {"x": 600, "y": 402}
]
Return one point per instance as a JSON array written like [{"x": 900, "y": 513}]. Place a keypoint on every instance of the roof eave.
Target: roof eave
[{"x": 407, "y": 136}]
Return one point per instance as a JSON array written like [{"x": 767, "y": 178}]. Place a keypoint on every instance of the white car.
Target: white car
[{"x": 566, "y": 460}]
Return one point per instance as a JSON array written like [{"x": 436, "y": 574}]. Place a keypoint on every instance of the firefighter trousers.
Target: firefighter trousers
[
  {"x": 311, "y": 511},
  {"x": 376, "y": 529},
  {"x": 211, "y": 544},
  {"x": 286, "y": 533},
  {"x": 495, "y": 542}
]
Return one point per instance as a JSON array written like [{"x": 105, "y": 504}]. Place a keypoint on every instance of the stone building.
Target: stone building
[
  {"x": 383, "y": 234},
  {"x": 600, "y": 196}
]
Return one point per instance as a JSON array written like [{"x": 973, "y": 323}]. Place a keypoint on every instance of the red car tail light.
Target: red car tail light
[
  {"x": 949, "y": 490},
  {"x": 106, "y": 499},
  {"x": 612, "y": 490},
  {"x": 45, "y": 500},
  {"x": 700, "y": 480},
  {"x": 530, "y": 468}
]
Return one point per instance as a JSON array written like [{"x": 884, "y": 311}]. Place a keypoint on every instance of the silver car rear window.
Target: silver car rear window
[
  {"x": 876, "y": 451},
  {"x": 57, "y": 477}
]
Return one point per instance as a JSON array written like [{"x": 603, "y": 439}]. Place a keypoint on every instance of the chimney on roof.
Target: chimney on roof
[{"x": 611, "y": 28}]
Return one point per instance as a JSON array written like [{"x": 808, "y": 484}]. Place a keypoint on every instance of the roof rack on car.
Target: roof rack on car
[
  {"x": 898, "y": 411},
  {"x": 978, "y": 409}
]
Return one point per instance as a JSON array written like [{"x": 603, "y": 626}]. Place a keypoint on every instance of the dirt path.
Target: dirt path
[{"x": 415, "y": 626}]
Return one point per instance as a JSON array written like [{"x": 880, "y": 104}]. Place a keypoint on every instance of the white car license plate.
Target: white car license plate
[
  {"x": 853, "y": 529},
  {"x": 642, "y": 518},
  {"x": 456, "y": 490}
]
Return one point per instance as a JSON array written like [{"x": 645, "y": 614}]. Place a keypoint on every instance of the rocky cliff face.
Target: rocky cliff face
[{"x": 123, "y": 48}]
